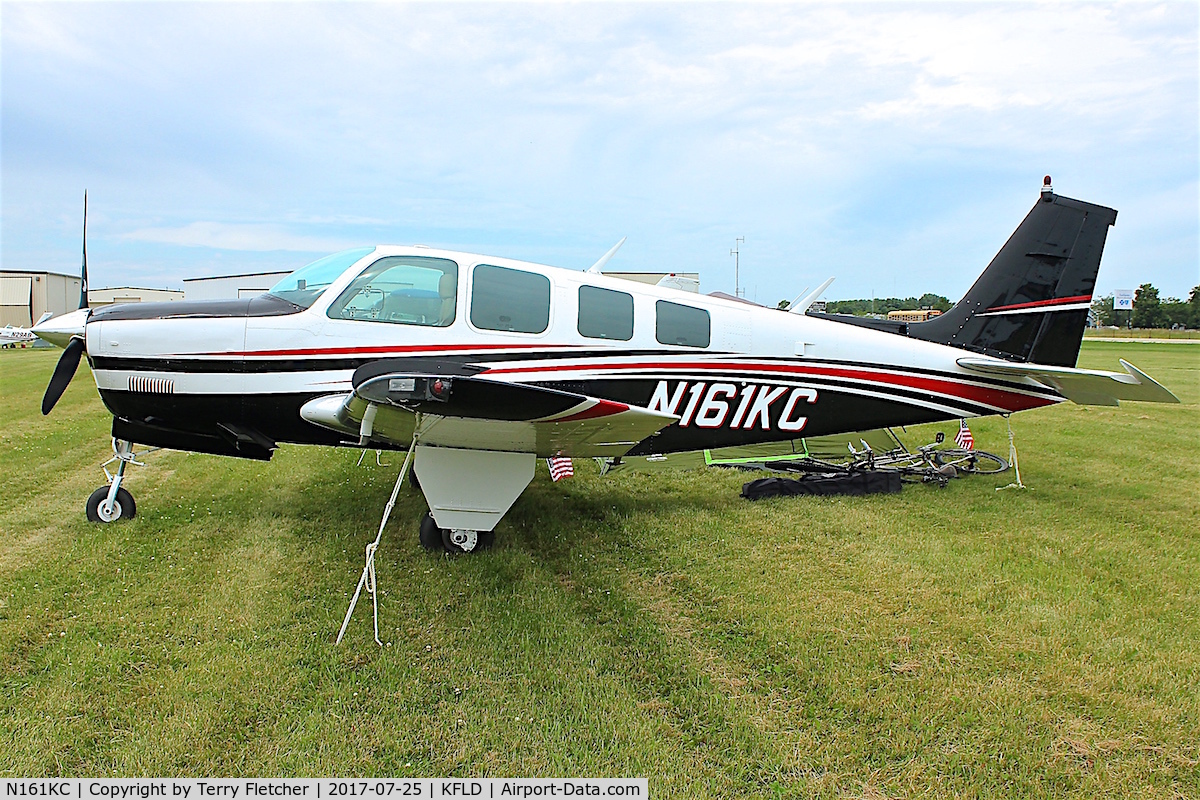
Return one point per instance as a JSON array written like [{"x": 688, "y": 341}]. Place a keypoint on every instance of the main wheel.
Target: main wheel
[
  {"x": 431, "y": 534},
  {"x": 122, "y": 507},
  {"x": 460, "y": 542}
]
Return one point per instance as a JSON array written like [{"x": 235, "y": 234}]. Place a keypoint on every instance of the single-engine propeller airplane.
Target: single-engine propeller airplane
[
  {"x": 15, "y": 334},
  {"x": 479, "y": 365}
]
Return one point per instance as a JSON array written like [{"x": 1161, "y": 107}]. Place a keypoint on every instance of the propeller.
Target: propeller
[
  {"x": 68, "y": 362},
  {"x": 63, "y": 372}
]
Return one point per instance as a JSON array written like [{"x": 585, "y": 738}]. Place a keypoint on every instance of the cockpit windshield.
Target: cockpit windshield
[{"x": 305, "y": 285}]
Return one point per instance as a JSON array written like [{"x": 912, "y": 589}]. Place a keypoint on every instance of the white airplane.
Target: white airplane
[
  {"x": 478, "y": 365},
  {"x": 11, "y": 334}
]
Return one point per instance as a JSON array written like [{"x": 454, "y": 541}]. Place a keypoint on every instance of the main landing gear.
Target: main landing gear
[
  {"x": 468, "y": 491},
  {"x": 113, "y": 502},
  {"x": 455, "y": 542}
]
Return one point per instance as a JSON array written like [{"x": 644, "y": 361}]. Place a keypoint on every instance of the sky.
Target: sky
[{"x": 895, "y": 146}]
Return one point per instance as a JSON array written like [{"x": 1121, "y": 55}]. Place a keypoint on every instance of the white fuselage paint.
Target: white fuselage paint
[
  {"x": 13, "y": 335},
  {"x": 707, "y": 387}
]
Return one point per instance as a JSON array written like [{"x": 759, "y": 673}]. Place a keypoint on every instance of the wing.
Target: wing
[
  {"x": 459, "y": 408},
  {"x": 1083, "y": 386}
]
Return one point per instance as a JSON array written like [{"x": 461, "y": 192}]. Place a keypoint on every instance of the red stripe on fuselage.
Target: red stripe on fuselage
[
  {"x": 997, "y": 398},
  {"x": 1058, "y": 301},
  {"x": 389, "y": 349}
]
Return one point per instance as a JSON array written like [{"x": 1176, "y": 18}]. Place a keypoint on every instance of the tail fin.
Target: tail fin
[{"x": 1031, "y": 303}]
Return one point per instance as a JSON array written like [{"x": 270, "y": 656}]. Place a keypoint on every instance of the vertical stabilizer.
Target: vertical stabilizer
[{"x": 1031, "y": 303}]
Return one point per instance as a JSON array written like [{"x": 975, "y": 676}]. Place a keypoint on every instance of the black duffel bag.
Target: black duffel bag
[{"x": 855, "y": 483}]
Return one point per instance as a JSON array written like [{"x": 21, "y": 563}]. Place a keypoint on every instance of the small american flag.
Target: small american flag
[
  {"x": 964, "y": 439},
  {"x": 560, "y": 468}
]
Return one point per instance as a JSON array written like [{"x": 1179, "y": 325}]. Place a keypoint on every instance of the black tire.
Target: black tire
[
  {"x": 484, "y": 542},
  {"x": 125, "y": 508},
  {"x": 972, "y": 462},
  {"x": 431, "y": 534}
]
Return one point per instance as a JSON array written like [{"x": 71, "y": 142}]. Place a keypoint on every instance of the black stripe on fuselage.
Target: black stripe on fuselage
[
  {"x": 259, "y": 365},
  {"x": 278, "y": 417},
  {"x": 612, "y": 389}
]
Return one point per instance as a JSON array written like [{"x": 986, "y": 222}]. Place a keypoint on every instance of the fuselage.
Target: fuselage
[
  {"x": 733, "y": 372},
  {"x": 10, "y": 334}
]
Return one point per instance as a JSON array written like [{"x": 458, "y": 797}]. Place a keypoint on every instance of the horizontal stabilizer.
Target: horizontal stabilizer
[
  {"x": 680, "y": 282},
  {"x": 1087, "y": 387}
]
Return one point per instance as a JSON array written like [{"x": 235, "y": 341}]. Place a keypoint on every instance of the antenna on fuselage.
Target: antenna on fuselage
[
  {"x": 595, "y": 268},
  {"x": 796, "y": 299},
  {"x": 803, "y": 305}
]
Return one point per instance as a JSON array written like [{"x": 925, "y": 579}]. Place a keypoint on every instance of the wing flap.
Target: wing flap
[{"x": 1082, "y": 386}]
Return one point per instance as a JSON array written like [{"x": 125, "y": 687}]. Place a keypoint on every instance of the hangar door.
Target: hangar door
[{"x": 16, "y": 301}]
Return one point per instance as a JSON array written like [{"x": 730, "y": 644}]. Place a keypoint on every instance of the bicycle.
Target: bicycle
[
  {"x": 927, "y": 464},
  {"x": 949, "y": 460}
]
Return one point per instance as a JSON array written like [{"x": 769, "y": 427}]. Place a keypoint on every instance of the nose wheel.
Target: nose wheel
[
  {"x": 453, "y": 541},
  {"x": 101, "y": 509}
]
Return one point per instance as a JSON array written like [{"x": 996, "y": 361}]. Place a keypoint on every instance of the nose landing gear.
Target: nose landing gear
[{"x": 113, "y": 502}]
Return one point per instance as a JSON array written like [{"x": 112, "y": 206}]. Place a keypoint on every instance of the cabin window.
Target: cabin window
[
  {"x": 682, "y": 324},
  {"x": 505, "y": 299},
  {"x": 605, "y": 314},
  {"x": 305, "y": 285},
  {"x": 407, "y": 290}
]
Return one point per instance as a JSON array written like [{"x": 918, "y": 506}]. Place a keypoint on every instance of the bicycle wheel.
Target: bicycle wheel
[{"x": 972, "y": 462}]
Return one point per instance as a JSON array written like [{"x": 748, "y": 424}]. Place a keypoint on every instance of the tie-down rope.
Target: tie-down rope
[
  {"x": 1012, "y": 457},
  {"x": 368, "y": 573}
]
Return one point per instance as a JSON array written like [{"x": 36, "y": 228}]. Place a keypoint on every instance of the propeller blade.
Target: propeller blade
[
  {"x": 63, "y": 372},
  {"x": 83, "y": 300}
]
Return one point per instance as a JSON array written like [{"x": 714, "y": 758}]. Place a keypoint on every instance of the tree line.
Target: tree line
[
  {"x": 882, "y": 305},
  {"x": 1150, "y": 311}
]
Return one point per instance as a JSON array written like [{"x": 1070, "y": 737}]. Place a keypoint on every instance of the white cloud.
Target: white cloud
[{"x": 558, "y": 126}]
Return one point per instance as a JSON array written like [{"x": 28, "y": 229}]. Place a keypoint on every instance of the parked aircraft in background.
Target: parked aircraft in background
[
  {"x": 478, "y": 365},
  {"x": 11, "y": 334}
]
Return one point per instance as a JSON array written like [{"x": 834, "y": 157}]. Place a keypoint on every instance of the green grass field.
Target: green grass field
[
  {"x": 937, "y": 643},
  {"x": 1141, "y": 333}
]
